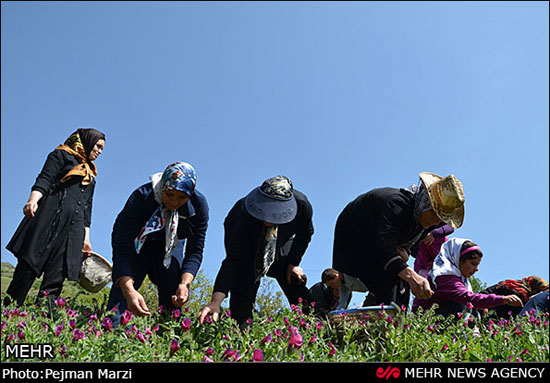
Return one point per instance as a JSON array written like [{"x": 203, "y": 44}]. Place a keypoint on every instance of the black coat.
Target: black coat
[
  {"x": 242, "y": 233},
  {"x": 369, "y": 230},
  {"x": 63, "y": 212},
  {"x": 192, "y": 225}
]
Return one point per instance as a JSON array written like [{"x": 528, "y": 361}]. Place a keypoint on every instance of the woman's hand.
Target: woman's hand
[
  {"x": 212, "y": 308},
  {"x": 181, "y": 296},
  {"x": 295, "y": 272},
  {"x": 429, "y": 239},
  {"x": 32, "y": 204},
  {"x": 134, "y": 300},
  {"x": 87, "y": 246},
  {"x": 513, "y": 300}
]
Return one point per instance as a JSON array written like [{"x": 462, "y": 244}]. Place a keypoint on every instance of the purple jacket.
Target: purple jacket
[{"x": 451, "y": 287}]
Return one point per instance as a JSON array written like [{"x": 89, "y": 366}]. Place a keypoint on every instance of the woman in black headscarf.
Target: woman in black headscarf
[{"x": 55, "y": 231}]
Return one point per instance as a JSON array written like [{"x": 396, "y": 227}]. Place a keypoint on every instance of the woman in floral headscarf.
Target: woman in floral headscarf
[
  {"x": 148, "y": 237},
  {"x": 524, "y": 288},
  {"x": 55, "y": 231}
]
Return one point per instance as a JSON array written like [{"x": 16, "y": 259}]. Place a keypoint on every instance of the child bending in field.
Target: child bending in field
[{"x": 457, "y": 261}]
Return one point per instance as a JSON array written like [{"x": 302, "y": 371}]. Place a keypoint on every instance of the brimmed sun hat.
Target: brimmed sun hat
[
  {"x": 273, "y": 201},
  {"x": 95, "y": 273},
  {"x": 446, "y": 197}
]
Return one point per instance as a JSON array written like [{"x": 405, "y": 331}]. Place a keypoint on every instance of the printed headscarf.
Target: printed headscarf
[
  {"x": 80, "y": 144},
  {"x": 526, "y": 287},
  {"x": 178, "y": 176},
  {"x": 447, "y": 261},
  {"x": 421, "y": 200}
]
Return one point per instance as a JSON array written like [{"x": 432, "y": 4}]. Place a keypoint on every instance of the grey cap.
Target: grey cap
[{"x": 273, "y": 201}]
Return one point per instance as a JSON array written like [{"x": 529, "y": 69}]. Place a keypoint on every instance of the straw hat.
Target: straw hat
[
  {"x": 95, "y": 273},
  {"x": 446, "y": 197}
]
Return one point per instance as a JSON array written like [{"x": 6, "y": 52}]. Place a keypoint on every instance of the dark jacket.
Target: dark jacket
[
  {"x": 63, "y": 212},
  {"x": 242, "y": 233},
  {"x": 192, "y": 225},
  {"x": 369, "y": 230},
  {"x": 324, "y": 298}
]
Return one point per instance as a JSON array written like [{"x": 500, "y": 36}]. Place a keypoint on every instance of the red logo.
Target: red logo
[{"x": 389, "y": 372}]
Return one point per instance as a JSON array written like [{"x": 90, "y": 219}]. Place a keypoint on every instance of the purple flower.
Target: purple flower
[
  {"x": 72, "y": 323},
  {"x": 58, "y": 329},
  {"x": 231, "y": 354},
  {"x": 332, "y": 349},
  {"x": 176, "y": 313},
  {"x": 126, "y": 317},
  {"x": 267, "y": 339},
  {"x": 445, "y": 347},
  {"x": 209, "y": 351},
  {"x": 186, "y": 324},
  {"x": 60, "y": 302},
  {"x": 257, "y": 356},
  {"x": 20, "y": 334},
  {"x": 286, "y": 321},
  {"x": 78, "y": 334},
  {"x": 174, "y": 346},
  {"x": 313, "y": 339},
  {"x": 278, "y": 332},
  {"x": 62, "y": 349},
  {"x": 107, "y": 323},
  {"x": 10, "y": 337},
  {"x": 139, "y": 336}
]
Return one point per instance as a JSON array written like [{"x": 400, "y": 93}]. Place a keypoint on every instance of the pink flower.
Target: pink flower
[
  {"x": 20, "y": 334},
  {"x": 72, "y": 323},
  {"x": 469, "y": 306},
  {"x": 186, "y": 324},
  {"x": 209, "y": 351},
  {"x": 148, "y": 331},
  {"x": 207, "y": 359},
  {"x": 319, "y": 325},
  {"x": 296, "y": 339},
  {"x": 489, "y": 360},
  {"x": 445, "y": 347},
  {"x": 62, "y": 349},
  {"x": 313, "y": 339},
  {"x": 278, "y": 332},
  {"x": 257, "y": 356},
  {"x": 174, "y": 346},
  {"x": 286, "y": 321},
  {"x": 176, "y": 313},
  {"x": 155, "y": 327},
  {"x": 10, "y": 337}
]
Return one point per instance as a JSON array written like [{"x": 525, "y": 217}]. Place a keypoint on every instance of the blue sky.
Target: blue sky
[{"x": 340, "y": 97}]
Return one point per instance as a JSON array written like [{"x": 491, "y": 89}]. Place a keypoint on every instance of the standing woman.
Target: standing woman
[{"x": 55, "y": 231}]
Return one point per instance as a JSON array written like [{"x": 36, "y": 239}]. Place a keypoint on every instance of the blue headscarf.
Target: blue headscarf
[{"x": 178, "y": 176}]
